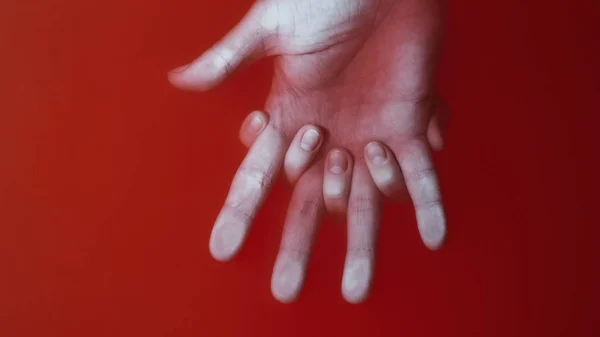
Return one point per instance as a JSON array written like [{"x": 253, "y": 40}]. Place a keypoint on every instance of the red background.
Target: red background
[{"x": 110, "y": 181}]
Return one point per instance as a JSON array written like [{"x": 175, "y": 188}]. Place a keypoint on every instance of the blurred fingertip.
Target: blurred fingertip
[
  {"x": 181, "y": 82},
  {"x": 218, "y": 254},
  {"x": 195, "y": 76},
  {"x": 180, "y": 69},
  {"x": 432, "y": 227},
  {"x": 225, "y": 242},
  {"x": 356, "y": 281},
  {"x": 287, "y": 280}
]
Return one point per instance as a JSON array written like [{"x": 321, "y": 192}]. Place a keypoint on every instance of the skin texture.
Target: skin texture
[{"x": 351, "y": 118}]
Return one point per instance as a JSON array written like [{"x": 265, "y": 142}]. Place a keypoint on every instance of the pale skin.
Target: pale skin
[{"x": 351, "y": 118}]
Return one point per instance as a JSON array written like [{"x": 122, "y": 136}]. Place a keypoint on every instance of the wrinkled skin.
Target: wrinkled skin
[{"x": 355, "y": 72}]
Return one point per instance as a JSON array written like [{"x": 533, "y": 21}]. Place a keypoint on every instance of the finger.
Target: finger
[
  {"x": 385, "y": 170},
  {"x": 336, "y": 181},
  {"x": 364, "y": 213},
  {"x": 252, "y": 126},
  {"x": 304, "y": 215},
  {"x": 438, "y": 125},
  {"x": 249, "y": 189},
  {"x": 423, "y": 187},
  {"x": 302, "y": 150},
  {"x": 244, "y": 44}
]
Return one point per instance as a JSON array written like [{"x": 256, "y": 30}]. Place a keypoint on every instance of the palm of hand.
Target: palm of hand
[{"x": 355, "y": 71}]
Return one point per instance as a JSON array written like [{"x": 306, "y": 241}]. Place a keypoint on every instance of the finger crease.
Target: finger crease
[
  {"x": 429, "y": 204},
  {"x": 238, "y": 213},
  {"x": 420, "y": 174},
  {"x": 263, "y": 178}
]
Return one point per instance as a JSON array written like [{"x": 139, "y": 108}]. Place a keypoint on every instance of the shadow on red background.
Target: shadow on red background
[{"x": 110, "y": 181}]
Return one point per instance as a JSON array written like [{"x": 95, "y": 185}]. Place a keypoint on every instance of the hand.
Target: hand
[{"x": 354, "y": 78}]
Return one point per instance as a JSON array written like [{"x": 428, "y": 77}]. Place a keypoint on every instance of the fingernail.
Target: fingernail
[
  {"x": 338, "y": 163},
  {"x": 309, "y": 140},
  {"x": 376, "y": 153},
  {"x": 257, "y": 124}
]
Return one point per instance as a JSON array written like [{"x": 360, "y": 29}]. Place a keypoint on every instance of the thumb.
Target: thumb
[{"x": 244, "y": 44}]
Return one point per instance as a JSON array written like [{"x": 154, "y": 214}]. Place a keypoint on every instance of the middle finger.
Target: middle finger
[{"x": 301, "y": 224}]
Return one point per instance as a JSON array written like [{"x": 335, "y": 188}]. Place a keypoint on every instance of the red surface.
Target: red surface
[{"x": 110, "y": 181}]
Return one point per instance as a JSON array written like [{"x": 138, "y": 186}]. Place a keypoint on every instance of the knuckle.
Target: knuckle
[
  {"x": 225, "y": 61},
  {"x": 257, "y": 176},
  {"x": 238, "y": 212}
]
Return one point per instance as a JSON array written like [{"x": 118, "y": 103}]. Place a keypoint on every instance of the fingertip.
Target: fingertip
[
  {"x": 376, "y": 153},
  {"x": 339, "y": 161},
  {"x": 356, "y": 282},
  {"x": 179, "y": 69},
  {"x": 432, "y": 227},
  {"x": 199, "y": 75},
  {"x": 252, "y": 127},
  {"x": 303, "y": 148},
  {"x": 434, "y": 244},
  {"x": 218, "y": 252},
  {"x": 225, "y": 241},
  {"x": 287, "y": 279},
  {"x": 336, "y": 183},
  {"x": 311, "y": 139},
  {"x": 384, "y": 170}
]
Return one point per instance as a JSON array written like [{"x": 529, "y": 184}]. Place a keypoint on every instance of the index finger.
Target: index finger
[{"x": 249, "y": 189}]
